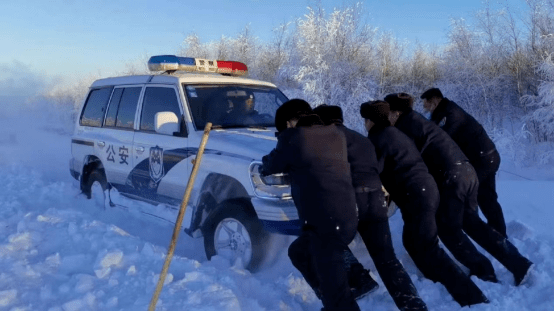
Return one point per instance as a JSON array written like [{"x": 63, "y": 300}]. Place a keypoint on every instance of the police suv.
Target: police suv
[{"x": 137, "y": 137}]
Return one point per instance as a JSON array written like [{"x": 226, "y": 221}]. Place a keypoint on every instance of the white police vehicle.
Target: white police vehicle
[{"x": 137, "y": 136}]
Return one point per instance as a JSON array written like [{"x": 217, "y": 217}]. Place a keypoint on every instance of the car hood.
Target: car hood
[{"x": 244, "y": 143}]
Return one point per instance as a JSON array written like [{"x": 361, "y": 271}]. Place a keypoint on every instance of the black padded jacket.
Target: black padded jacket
[
  {"x": 439, "y": 152},
  {"x": 315, "y": 157},
  {"x": 469, "y": 134}
]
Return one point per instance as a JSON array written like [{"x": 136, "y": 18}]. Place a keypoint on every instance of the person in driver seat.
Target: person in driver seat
[{"x": 242, "y": 111}]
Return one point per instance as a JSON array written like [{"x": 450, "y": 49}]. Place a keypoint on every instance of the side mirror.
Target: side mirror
[{"x": 166, "y": 123}]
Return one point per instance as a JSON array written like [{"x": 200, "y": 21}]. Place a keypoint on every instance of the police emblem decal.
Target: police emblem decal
[{"x": 156, "y": 163}]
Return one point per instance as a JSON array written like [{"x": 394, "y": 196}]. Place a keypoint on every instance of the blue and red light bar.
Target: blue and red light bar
[{"x": 174, "y": 63}]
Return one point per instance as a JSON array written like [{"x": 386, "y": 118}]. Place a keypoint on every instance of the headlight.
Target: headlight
[
  {"x": 279, "y": 180},
  {"x": 275, "y": 186}
]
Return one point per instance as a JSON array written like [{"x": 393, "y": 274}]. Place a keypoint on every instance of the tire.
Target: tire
[
  {"x": 233, "y": 232},
  {"x": 95, "y": 187}
]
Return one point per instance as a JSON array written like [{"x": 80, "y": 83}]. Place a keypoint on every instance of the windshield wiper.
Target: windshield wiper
[
  {"x": 222, "y": 127},
  {"x": 257, "y": 127}
]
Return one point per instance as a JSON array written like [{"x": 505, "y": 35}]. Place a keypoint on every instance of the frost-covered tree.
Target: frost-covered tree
[
  {"x": 391, "y": 68},
  {"x": 541, "y": 119},
  {"x": 274, "y": 56},
  {"x": 193, "y": 46},
  {"x": 332, "y": 51}
]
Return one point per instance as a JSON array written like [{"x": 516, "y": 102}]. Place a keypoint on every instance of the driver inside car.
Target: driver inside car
[{"x": 242, "y": 111}]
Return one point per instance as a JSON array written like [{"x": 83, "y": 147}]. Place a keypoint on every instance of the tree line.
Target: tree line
[{"x": 498, "y": 66}]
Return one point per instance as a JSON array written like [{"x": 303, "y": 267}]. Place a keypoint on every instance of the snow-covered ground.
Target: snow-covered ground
[{"x": 60, "y": 251}]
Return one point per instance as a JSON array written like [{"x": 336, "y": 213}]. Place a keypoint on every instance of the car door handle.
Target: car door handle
[
  {"x": 101, "y": 144},
  {"x": 139, "y": 149}
]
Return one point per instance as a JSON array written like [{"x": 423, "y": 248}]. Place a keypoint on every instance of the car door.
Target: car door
[
  {"x": 115, "y": 139},
  {"x": 161, "y": 172}
]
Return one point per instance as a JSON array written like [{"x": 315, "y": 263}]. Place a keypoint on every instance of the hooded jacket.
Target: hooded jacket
[{"x": 463, "y": 129}]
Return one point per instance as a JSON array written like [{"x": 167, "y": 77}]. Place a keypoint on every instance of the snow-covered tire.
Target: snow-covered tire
[
  {"x": 233, "y": 232},
  {"x": 95, "y": 187}
]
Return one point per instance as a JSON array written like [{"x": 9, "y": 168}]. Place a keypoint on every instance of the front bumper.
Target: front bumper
[{"x": 277, "y": 216}]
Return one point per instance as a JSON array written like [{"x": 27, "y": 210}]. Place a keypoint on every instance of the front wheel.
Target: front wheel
[{"x": 236, "y": 234}]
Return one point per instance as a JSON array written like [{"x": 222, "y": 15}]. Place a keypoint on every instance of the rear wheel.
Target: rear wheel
[
  {"x": 95, "y": 188},
  {"x": 237, "y": 235}
]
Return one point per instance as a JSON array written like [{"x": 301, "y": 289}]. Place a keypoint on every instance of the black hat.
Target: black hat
[
  {"x": 329, "y": 114},
  {"x": 290, "y": 110},
  {"x": 431, "y": 93},
  {"x": 376, "y": 111},
  {"x": 402, "y": 102}
]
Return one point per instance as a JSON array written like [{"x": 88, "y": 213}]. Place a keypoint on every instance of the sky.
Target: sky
[
  {"x": 60, "y": 251},
  {"x": 67, "y": 40}
]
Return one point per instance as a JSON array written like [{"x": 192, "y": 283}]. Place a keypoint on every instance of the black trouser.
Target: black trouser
[
  {"x": 373, "y": 225},
  {"x": 375, "y": 232},
  {"x": 418, "y": 204},
  {"x": 458, "y": 213},
  {"x": 486, "y": 168},
  {"x": 320, "y": 259},
  {"x": 458, "y": 198}
]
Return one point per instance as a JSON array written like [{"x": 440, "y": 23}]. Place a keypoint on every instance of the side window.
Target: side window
[
  {"x": 158, "y": 99},
  {"x": 95, "y": 107},
  {"x": 127, "y": 108},
  {"x": 112, "y": 108}
]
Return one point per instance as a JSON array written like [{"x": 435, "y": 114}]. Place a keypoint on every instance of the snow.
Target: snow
[{"x": 60, "y": 251}]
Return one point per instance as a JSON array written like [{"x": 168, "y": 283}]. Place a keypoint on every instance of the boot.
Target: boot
[
  {"x": 460, "y": 286},
  {"x": 487, "y": 277},
  {"x": 515, "y": 262},
  {"x": 485, "y": 272},
  {"x": 400, "y": 286},
  {"x": 507, "y": 254},
  {"x": 360, "y": 281},
  {"x": 521, "y": 275}
]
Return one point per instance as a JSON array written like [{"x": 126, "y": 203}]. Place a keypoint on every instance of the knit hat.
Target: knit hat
[
  {"x": 431, "y": 93},
  {"x": 402, "y": 102},
  {"x": 376, "y": 111},
  {"x": 290, "y": 110},
  {"x": 329, "y": 114}
]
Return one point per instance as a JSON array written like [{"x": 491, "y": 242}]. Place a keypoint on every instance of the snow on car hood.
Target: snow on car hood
[{"x": 249, "y": 143}]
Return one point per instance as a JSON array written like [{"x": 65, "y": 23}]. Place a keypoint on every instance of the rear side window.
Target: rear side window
[
  {"x": 127, "y": 108},
  {"x": 95, "y": 107},
  {"x": 111, "y": 115},
  {"x": 158, "y": 99}
]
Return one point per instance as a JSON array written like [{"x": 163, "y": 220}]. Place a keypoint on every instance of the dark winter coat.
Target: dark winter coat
[
  {"x": 362, "y": 159},
  {"x": 400, "y": 163},
  {"x": 464, "y": 130},
  {"x": 440, "y": 153},
  {"x": 315, "y": 157}
]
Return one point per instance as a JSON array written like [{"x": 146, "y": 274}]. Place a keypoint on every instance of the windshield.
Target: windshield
[{"x": 233, "y": 106}]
